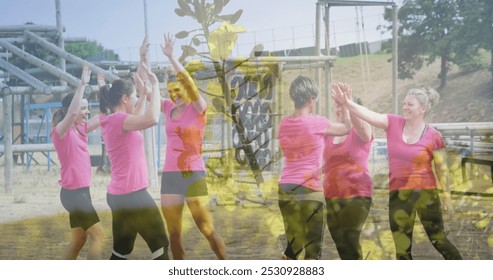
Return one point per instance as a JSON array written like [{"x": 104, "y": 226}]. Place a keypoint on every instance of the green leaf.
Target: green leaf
[
  {"x": 218, "y": 7},
  {"x": 180, "y": 12},
  {"x": 188, "y": 50},
  {"x": 185, "y": 8},
  {"x": 236, "y": 16},
  {"x": 181, "y": 34},
  {"x": 199, "y": 11},
  {"x": 196, "y": 41},
  {"x": 233, "y": 18}
]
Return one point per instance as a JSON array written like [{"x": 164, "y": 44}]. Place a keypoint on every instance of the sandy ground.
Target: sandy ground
[{"x": 34, "y": 224}]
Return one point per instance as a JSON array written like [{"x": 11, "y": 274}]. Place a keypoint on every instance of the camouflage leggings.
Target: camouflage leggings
[
  {"x": 403, "y": 206},
  {"x": 302, "y": 211}
]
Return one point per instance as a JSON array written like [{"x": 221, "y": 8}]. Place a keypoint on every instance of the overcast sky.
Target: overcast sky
[{"x": 120, "y": 24}]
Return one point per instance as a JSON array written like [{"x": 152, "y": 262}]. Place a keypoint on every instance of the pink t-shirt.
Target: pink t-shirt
[
  {"x": 346, "y": 172},
  {"x": 74, "y": 158},
  {"x": 126, "y": 154},
  {"x": 410, "y": 164},
  {"x": 302, "y": 142},
  {"x": 184, "y": 139}
]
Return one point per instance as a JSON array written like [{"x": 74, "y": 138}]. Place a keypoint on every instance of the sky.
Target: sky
[{"x": 119, "y": 25}]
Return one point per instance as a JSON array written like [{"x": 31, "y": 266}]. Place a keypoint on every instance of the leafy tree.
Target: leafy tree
[
  {"x": 476, "y": 33},
  {"x": 426, "y": 27},
  {"x": 90, "y": 50},
  {"x": 219, "y": 33}
]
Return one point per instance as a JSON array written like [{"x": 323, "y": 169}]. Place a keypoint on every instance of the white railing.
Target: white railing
[{"x": 473, "y": 138}]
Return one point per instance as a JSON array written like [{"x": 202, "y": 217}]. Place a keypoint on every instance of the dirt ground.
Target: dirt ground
[{"x": 34, "y": 225}]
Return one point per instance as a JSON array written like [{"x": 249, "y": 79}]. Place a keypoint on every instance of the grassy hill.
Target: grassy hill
[{"x": 467, "y": 97}]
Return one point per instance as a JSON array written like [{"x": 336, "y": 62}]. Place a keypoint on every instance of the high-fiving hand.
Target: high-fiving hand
[{"x": 341, "y": 93}]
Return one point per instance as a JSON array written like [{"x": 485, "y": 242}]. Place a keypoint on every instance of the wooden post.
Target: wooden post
[
  {"x": 149, "y": 133},
  {"x": 317, "y": 49},
  {"x": 61, "y": 43},
  {"x": 327, "y": 63},
  {"x": 7, "y": 133},
  {"x": 395, "y": 27}
]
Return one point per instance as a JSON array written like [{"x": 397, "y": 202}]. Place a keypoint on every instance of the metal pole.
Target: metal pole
[
  {"x": 149, "y": 133},
  {"x": 395, "y": 28}
]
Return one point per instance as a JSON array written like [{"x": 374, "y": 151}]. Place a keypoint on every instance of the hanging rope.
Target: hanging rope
[
  {"x": 358, "y": 40},
  {"x": 370, "y": 99}
]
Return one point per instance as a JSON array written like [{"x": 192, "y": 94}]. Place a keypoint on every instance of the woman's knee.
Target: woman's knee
[
  {"x": 79, "y": 241},
  {"x": 79, "y": 237},
  {"x": 95, "y": 233},
  {"x": 206, "y": 228},
  {"x": 174, "y": 232}
]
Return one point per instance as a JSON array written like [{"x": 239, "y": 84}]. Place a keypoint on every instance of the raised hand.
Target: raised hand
[
  {"x": 100, "y": 78},
  {"x": 167, "y": 48},
  {"x": 338, "y": 94},
  {"x": 151, "y": 76},
  {"x": 346, "y": 89},
  {"x": 139, "y": 84},
  {"x": 144, "y": 47},
  {"x": 86, "y": 75}
]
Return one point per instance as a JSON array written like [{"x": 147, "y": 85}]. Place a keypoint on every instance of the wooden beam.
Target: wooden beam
[
  {"x": 35, "y": 83},
  {"x": 68, "y": 56},
  {"x": 24, "y": 148},
  {"x": 73, "y": 81}
]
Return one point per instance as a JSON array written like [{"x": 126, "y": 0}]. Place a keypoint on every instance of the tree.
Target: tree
[
  {"x": 427, "y": 31},
  {"x": 476, "y": 33},
  {"x": 219, "y": 33},
  {"x": 90, "y": 50}
]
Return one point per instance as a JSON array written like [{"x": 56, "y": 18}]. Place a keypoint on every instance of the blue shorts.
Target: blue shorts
[{"x": 187, "y": 183}]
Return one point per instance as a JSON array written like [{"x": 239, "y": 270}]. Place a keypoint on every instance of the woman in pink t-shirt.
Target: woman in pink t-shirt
[
  {"x": 412, "y": 147},
  {"x": 301, "y": 199},
  {"x": 69, "y": 136},
  {"x": 133, "y": 209},
  {"x": 183, "y": 178},
  {"x": 347, "y": 184}
]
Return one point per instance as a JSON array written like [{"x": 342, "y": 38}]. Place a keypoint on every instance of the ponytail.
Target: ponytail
[
  {"x": 60, "y": 114},
  {"x": 103, "y": 103},
  {"x": 111, "y": 94}
]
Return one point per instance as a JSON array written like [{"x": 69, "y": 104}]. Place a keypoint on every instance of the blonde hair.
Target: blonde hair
[{"x": 426, "y": 96}]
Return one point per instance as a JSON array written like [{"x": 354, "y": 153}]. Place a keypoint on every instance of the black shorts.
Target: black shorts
[
  {"x": 78, "y": 203},
  {"x": 187, "y": 184},
  {"x": 136, "y": 213}
]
